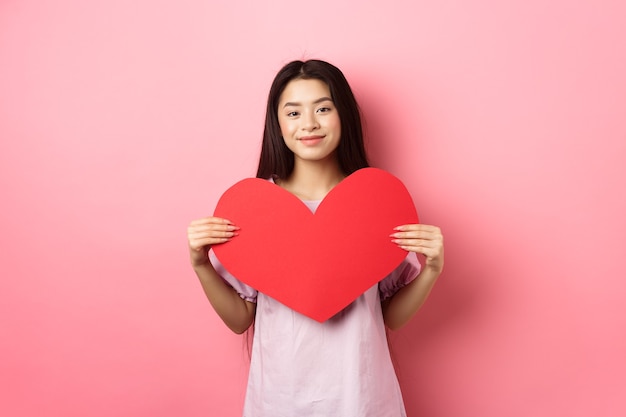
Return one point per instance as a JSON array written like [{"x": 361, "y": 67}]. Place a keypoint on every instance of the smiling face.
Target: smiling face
[{"x": 309, "y": 121}]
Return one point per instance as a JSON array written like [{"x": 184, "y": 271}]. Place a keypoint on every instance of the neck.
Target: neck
[{"x": 312, "y": 180}]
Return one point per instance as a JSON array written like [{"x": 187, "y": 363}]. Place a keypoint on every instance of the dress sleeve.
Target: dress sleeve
[
  {"x": 406, "y": 272},
  {"x": 245, "y": 291}
]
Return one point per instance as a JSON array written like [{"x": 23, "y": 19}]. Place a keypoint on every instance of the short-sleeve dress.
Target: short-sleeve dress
[{"x": 341, "y": 367}]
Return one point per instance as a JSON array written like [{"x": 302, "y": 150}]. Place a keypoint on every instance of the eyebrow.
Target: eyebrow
[{"x": 319, "y": 100}]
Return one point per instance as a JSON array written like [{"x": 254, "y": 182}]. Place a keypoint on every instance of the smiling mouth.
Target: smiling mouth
[{"x": 311, "y": 140}]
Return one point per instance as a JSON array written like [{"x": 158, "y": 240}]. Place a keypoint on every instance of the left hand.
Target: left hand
[{"x": 424, "y": 239}]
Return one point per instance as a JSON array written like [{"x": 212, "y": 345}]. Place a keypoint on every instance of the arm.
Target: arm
[
  {"x": 425, "y": 240},
  {"x": 236, "y": 312}
]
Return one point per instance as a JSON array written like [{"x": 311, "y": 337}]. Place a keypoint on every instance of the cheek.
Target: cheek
[
  {"x": 335, "y": 124},
  {"x": 286, "y": 133},
  {"x": 285, "y": 127}
]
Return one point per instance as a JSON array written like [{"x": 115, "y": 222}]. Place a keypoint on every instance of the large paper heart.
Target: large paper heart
[{"x": 318, "y": 263}]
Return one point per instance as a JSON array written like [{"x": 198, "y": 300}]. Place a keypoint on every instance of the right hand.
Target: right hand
[{"x": 206, "y": 232}]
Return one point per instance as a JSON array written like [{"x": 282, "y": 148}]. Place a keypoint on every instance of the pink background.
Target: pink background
[{"x": 120, "y": 121}]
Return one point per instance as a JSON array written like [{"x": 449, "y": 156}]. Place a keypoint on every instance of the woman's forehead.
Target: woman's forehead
[{"x": 305, "y": 91}]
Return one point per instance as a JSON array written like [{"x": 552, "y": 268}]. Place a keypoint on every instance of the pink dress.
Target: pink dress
[{"x": 342, "y": 367}]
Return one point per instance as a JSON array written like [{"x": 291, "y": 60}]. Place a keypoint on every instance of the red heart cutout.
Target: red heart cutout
[{"x": 318, "y": 263}]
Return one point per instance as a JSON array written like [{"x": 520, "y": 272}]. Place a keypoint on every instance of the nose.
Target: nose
[{"x": 309, "y": 121}]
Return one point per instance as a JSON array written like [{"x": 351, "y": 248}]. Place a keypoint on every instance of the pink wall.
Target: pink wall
[{"x": 120, "y": 121}]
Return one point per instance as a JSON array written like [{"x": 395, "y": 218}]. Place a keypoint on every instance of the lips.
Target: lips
[{"x": 311, "y": 140}]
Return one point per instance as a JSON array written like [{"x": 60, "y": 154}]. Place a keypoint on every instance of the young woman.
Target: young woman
[{"x": 299, "y": 367}]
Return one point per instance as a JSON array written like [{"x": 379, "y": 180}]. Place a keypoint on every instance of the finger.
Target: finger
[
  {"x": 208, "y": 235},
  {"x": 199, "y": 244},
  {"x": 417, "y": 231},
  {"x": 212, "y": 231},
  {"x": 210, "y": 220},
  {"x": 208, "y": 227},
  {"x": 430, "y": 253},
  {"x": 419, "y": 234},
  {"x": 212, "y": 234},
  {"x": 416, "y": 227},
  {"x": 423, "y": 250},
  {"x": 414, "y": 242}
]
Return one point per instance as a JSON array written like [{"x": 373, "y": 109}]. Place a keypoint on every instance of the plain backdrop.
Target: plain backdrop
[{"x": 123, "y": 120}]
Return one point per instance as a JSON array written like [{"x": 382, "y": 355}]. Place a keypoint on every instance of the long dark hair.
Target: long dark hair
[{"x": 276, "y": 158}]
